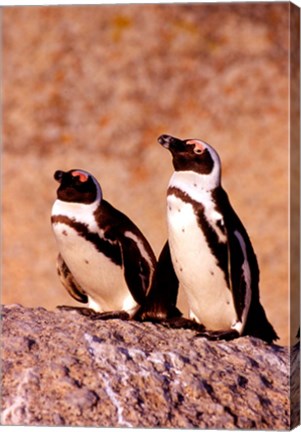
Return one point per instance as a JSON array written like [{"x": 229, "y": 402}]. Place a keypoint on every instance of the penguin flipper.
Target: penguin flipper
[
  {"x": 240, "y": 265},
  {"x": 241, "y": 280},
  {"x": 251, "y": 316},
  {"x": 137, "y": 271},
  {"x": 160, "y": 303},
  {"x": 69, "y": 282}
]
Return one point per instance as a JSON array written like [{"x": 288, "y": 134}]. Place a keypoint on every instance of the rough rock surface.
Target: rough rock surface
[
  {"x": 295, "y": 385},
  {"x": 61, "y": 368}
]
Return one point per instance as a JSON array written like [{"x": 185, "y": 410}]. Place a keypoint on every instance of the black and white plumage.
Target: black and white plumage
[
  {"x": 209, "y": 249},
  {"x": 104, "y": 259}
]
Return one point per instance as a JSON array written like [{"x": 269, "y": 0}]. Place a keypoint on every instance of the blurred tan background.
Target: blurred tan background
[{"x": 93, "y": 87}]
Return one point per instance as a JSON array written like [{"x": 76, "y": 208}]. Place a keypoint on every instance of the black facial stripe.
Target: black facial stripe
[
  {"x": 189, "y": 161},
  {"x": 69, "y": 194},
  {"x": 218, "y": 249},
  {"x": 72, "y": 189},
  {"x": 110, "y": 250}
]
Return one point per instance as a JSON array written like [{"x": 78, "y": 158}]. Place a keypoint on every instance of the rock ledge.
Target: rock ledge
[{"x": 60, "y": 368}]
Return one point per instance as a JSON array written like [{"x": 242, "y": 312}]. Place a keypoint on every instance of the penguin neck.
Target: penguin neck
[
  {"x": 77, "y": 211},
  {"x": 194, "y": 184}
]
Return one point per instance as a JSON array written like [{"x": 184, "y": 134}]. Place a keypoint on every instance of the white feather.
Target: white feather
[
  {"x": 210, "y": 300},
  {"x": 82, "y": 212},
  {"x": 101, "y": 279},
  {"x": 192, "y": 184}
]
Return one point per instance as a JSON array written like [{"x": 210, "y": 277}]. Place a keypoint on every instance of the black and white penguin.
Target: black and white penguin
[
  {"x": 104, "y": 259},
  {"x": 210, "y": 251}
]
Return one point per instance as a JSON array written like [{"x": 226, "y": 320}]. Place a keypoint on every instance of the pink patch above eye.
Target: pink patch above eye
[
  {"x": 197, "y": 144},
  {"x": 82, "y": 176}
]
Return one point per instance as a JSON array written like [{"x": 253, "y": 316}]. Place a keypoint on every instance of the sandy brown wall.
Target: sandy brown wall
[{"x": 93, "y": 87}]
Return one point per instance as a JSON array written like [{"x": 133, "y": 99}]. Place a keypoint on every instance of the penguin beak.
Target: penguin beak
[
  {"x": 165, "y": 140},
  {"x": 171, "y": 143},
  {"x": 58, "y": 175}
]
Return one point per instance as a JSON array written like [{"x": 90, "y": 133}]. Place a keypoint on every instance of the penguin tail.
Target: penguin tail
[
  {"x": 259, "y": 326},
  {"x": 156, "y": 313},
  {"x": 160, "y": 302}
]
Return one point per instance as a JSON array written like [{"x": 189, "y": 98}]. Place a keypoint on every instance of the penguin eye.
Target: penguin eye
[
  {"x": 198, "y": 150},
  {"x": 198, "y": 146}
]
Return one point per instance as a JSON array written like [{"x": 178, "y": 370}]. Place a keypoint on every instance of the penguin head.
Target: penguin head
[
  {"x": 193, "y": 155},
  {"x": 77, "y": 186}
]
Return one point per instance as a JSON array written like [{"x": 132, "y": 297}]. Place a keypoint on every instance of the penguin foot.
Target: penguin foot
[
  {"x": 181, "y": 323},
  {"x": 81, "y": 310},
  {"x": 156, "y": 316},
  {"x": 93, "y": 315},
  {"x": 219, "y": 335},
  {"x": 111, "y": 315}
]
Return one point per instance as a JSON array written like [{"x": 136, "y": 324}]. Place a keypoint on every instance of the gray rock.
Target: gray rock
[
  {"x": 295, "y": 385},
  {"x": 61, "y": 368}
]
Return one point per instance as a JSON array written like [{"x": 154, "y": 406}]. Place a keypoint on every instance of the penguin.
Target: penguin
[
  {"x": 104, "y": 259},
  {"x": 208, "y": 254}
]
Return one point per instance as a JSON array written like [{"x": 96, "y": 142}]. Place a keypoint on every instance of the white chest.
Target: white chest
[
  {"x": 209, "y": 299},
  {"x": 101, "y": 279}
]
